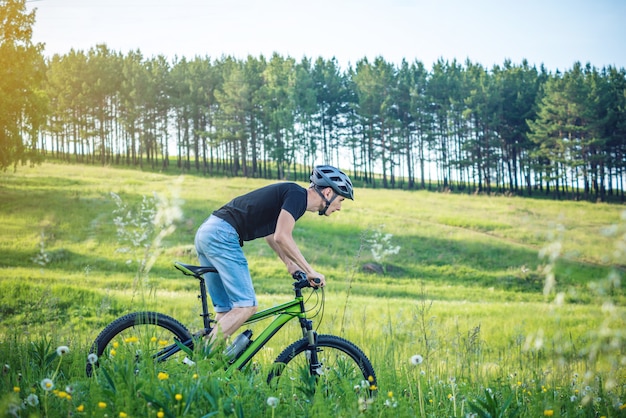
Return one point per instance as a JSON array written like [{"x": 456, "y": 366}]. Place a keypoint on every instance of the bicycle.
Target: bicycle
[{"x": 328, "y": 358}]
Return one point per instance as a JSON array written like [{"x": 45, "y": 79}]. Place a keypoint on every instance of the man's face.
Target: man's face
[{"x": 335, "y": 204}]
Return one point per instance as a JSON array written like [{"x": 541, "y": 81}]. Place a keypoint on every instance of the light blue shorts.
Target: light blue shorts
[{"x": 217, "y": 244}]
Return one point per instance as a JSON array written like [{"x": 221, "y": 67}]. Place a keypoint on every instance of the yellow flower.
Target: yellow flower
[
  {"x": 370, "y": 379},
  {"x": 373, "y": 387},
  {"x": 390, "y": 394},
  {"x": 548, "y": 413},
  {"x": 163, "y": 376},
  {"x": 131, "y": 340},
  {"x": 153, "y": 339},
  {"x": 116, "y": 344},
  {"x": 112, "y": 352},
  {"x": 16, "y": 389},
  {"x": 123, "y": 415},
  {"x": 622, "y": 407},
  {"x": 62, "y": 395},
  {"x": 163, "y": 343},
  {"x": 80, "y": 408},
  {"x": 178, "y": 397},
  {"x": 195, "y": 375},
  {"x": 160, "y": 414},
  {"x": 102, "y": 405}
]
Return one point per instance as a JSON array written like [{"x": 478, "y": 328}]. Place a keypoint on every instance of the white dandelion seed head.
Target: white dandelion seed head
[
  {"x": 69, "y": 389},
  {"x": 416, "y": 360},
  {"x": 32, "y": 400},
  {"x": 92, "y": 358},
  {"x": 272, "y": 402},
  {"x": 573, "y": 398},
  {"x": 62, "y": 350},
  {"x": 47, "y": 384}
]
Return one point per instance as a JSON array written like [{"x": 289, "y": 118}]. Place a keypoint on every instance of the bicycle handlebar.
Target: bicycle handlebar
[{"x": 302, "y": 281}]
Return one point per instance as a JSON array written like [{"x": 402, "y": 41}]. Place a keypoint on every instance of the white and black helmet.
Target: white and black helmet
[{"x": 329, "y": 176}]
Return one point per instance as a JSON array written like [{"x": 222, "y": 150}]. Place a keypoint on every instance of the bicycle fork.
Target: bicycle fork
[{"x": 315, "y": 367}]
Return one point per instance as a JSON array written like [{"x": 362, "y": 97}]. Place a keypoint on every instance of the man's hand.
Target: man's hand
[{"x": 315, "y": 275}]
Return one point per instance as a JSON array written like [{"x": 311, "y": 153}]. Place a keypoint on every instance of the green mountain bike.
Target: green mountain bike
[{"x": 326, "y": 359}]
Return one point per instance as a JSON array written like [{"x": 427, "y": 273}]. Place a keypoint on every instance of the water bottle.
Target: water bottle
[{"x": 238, "y": 345}]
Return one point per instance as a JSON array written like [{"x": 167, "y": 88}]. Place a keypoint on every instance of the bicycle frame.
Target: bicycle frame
[{"x": 285, "y": 311}]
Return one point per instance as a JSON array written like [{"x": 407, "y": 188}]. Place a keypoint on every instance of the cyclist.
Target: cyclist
[{"x": 270, "y": 212}]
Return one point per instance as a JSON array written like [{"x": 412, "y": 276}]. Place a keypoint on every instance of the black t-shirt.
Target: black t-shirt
[{"x": 255, "y": 214}]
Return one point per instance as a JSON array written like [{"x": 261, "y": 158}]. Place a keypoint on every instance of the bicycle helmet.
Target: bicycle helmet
[{"x": 329, "y": 176}]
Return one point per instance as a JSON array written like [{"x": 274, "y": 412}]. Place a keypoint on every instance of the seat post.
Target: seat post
[{"x": 206, "y": 316}]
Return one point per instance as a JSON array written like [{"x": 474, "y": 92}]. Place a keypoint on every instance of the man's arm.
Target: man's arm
[{"x": 283, "y": 244}]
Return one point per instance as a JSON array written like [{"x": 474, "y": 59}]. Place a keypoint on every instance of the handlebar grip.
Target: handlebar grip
[
  {"x": 299, "y": 275},
  {"x": 317, "y": 280}
]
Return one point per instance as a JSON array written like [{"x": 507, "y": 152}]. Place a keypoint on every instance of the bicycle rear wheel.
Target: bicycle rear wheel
[
  {"x": 343, "y": 369},
  {"x": 139, "y": 334}
]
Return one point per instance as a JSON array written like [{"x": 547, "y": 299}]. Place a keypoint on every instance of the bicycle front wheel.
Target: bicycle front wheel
[
  {"x": 145, "y": 334},
  {"x": 343, "y": 368}
]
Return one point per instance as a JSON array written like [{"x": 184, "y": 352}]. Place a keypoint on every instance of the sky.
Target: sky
[{"x": 553, "y": 33}]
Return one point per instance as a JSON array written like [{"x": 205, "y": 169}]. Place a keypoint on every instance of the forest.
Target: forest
[{"x": 513, "y": 128}]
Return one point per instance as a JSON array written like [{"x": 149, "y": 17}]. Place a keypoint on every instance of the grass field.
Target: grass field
[{"x": 514, "y": 304}]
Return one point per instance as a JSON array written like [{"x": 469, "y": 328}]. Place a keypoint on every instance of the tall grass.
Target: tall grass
[{"x": 492, "y": 306}]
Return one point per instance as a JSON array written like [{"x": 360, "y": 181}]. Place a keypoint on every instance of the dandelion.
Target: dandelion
[
  {"x": 32, "y": 400},
  {"x": 548, "y": 413},
  {"x": 80, "y": 408},
  {"x": 47, "y": 385},
  {"x": 123, "y": 415},
  {"x": 195, "y": 376},
  {"x": 416, "y": 360},
  {"x": 112, "y": 353},
  {"x": 163, "y": 376},
  {"x": 69, "y": 389},
  {"x": 102, "y": 405},
  {"x": 92, "y": 358},
  {"x": 573, "y": 398},
  {"x": 160, "y": 414},
  {"x": 62, "y": 350},
  {"x": 390, "y": 394},
  {"x": 62, "y": 395},
  {"x": 16, "y": 389},
  {"x": 272, "y": 402},
  {"x": 178, "y": 397}
]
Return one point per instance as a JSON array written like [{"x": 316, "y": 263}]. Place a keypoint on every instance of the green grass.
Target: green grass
[{"x": 467, "y": 291}]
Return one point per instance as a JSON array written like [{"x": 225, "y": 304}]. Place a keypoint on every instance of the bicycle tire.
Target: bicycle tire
[
  {"x": 151, "y": 329},
  {"x": 344, "y": 368}
]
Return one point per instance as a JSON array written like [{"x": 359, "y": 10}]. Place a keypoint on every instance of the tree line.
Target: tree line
[{"x": 513, "y": 128}]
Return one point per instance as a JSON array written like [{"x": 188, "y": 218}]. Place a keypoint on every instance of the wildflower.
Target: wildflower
[
  {"x": 102, "y": 405},
  {"x": 92, "y": 358},
  {"x": 47, "y": 385},
  {"x": 272, "y": 402},
  {"x": 131, "y": 340},
  {"x": 548, "y": 413},
  {"x": 62, "y": 350},
  {"x": 153, "y": 339},
  {"x": 123, "y": 414},
  {"x": 195, "y": 376},
  {"x": 390, "y": 394},
  {"x": 112, "y": 352},
  {"x": 391, "y": 403},
  {"x": 80, "y": 408},
  {"x": 416, "y": 360},
  {"x": 573, "y": 398},
  {"x": 163, "y": 376},
  {"x": 32, "y": 400},
  {"x": 163, "y": 343},
  {"x": 370, "y": 379},
  {"x": 178, "y": 397},
  {"x": 622, "y": 407},
  {"x": 160, "y": 414},
  {"x": 189, "y": 362},
  {"x": 69, "y": 389},
  {"x": 16, "y": 389},
  {"x": 62, "y": 395}
]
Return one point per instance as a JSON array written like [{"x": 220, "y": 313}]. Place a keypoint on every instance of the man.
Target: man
[{"x": 270, "y": 212}]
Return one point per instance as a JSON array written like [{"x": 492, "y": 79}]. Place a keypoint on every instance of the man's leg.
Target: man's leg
[{"x": 229, "y": 322}]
